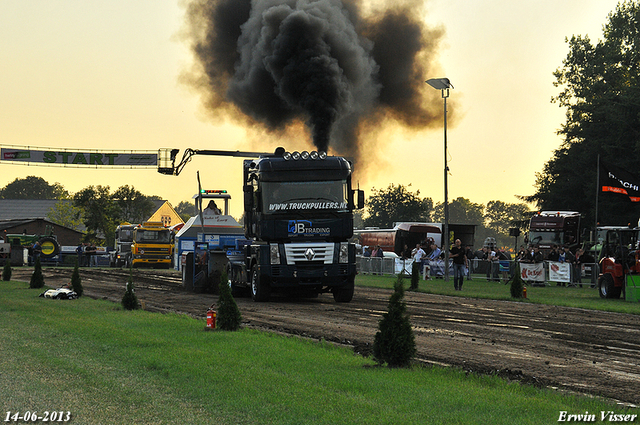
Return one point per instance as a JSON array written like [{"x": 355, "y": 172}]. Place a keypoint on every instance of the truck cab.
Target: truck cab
[
  {"x": 121, "y": 255},
  {"x": 152, "y": 245},
  {"x": 548, "y": 228},
  {"x": 299, "y": 216}
]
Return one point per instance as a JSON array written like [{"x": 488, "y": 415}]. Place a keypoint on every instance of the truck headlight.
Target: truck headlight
[
  {"x": 274, "y": 254},
  {"x": 344, "y": 252}
]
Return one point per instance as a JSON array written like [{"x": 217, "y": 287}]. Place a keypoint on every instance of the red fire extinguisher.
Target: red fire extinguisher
[
  {"x": 211, "y": 318},
  {"x": 524, "y": 292}
]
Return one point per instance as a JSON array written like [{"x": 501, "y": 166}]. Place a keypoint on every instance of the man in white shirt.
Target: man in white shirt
[{"x": 418, "y": 255}]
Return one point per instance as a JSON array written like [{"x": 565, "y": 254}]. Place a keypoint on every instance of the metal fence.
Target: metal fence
[
  {"x": 382, "y": 266},
  {"x": 497, "y": 271}
]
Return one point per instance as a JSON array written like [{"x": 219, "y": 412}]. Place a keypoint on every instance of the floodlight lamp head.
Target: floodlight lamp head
[{"x": 440, "y": 83}]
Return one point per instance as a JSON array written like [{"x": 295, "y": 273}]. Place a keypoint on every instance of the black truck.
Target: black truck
[{"x": 298, "y": 219}]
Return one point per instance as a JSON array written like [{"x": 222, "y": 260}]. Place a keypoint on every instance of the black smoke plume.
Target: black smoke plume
[{"x": 276, "y": 62}]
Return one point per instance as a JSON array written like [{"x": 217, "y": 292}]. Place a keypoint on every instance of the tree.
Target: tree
[
  {"x": 500, "y": 217},
  {"x": 66, "y": 214},
  {"x": 229, "y": 317},
  {"x": 76, "y": 282},
  {"x": 101, "y": 214},
  {"x": 394, "y": 204},
  {"x": 134, "y": 206},
  {"x": 33, "y": 187},
  {"x": 185, "y": 210},
  {"x": 461, "y": 211},
  {"x": 517, "y": 284},
  {"x": 6, "y": 271},
  {"x": 129, "y": 299},
  {"x": 600, "y": 88},
  {"x": 37, "y": 279},
  {"x": 394, "y": 343}
]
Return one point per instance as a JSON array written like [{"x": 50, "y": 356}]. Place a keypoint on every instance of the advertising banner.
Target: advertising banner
[
  {"x": 617, "y": 180},
  {"x": 87, "y": 159},
  {"x": 559, "y": 272},
  {"x": 532, "y": 272}
]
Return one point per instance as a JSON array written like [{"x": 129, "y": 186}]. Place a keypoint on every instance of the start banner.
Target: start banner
[
  {"x": 532, "y": 272},
  {"x": 78, "y": 158}
]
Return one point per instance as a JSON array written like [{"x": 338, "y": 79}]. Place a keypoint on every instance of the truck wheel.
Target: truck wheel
[
  {"x": 49, "y": 246},
  {"x": 344, "y": 294},
  {"x": 607, "y": 288},
  {"x": 260, "y": 291}
]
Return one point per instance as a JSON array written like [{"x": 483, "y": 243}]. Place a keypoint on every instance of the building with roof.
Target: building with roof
[
  {"x": 166, "y": 214},
  {"x": 39, "y": 226},
  {"x": 34, "y": 216}
]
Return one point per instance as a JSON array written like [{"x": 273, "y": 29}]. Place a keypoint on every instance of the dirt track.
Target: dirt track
[{"x": 573, "y": 349}]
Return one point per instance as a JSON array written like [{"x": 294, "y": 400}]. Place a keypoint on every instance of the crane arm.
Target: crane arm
[{"x": 166, "y": 156}]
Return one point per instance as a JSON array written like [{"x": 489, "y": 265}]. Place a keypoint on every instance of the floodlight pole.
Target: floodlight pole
[{"x": 443, "y": 85}]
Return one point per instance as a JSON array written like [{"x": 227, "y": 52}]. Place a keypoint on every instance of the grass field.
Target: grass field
[
  {"x": 106, "y": 365},
  {"x": 478, "y": 287}
]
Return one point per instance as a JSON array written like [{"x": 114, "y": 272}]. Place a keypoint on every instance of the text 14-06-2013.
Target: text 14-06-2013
[{"x": 46, "y": 416}]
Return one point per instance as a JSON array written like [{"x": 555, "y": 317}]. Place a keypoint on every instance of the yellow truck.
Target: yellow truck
[{"x": 152, "y": 245}]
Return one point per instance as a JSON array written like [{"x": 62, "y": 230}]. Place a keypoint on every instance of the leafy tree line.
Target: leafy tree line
[
  {"x": 397, "y": 203},
  {"x": 99, "y": 209},
  {"x": 600, "y": 88}
]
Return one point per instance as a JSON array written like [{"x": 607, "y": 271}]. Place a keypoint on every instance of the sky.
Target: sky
[{"x": 107, "y": 74}]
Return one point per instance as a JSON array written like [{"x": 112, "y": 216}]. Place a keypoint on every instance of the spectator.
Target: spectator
[
  {"x": 537, "y": 255},
  {"x": 554, "y": 255},
  {"x": 457, "y": 253},
  {"x": 566, "y": 256},
  {"x": 494, "y": 259},
  {"x": 435, "y": 252},
  {"x": 470, "y": 256},
  {"x": 406, "y": 254},
  {"x": 79, "y": 253},
  {"x": 522, "y": 254},
  {"x": 36, "y": 250},
  {"x": 434, "y": 255},
  {"x": 577, "y": 267},
  {"x": 504, "y": 263},
  {"x": 90, "y": 251},
  {"x": 418, "y": 257}
]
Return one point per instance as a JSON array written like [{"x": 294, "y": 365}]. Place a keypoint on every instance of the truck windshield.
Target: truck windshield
[
  {"x": 546, "y": 238},
  {"x": 153, "y": 236},
  {"x": 302, "y": 196},
  {"x": 125, "y": 235}
]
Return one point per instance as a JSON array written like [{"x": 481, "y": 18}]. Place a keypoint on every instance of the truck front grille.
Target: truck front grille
[{"x": 309, "y": 253}]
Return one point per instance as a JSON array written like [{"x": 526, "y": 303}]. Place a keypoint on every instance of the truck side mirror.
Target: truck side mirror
[
  {"x": 360, "y": 203},
  {"x": 248, "y": 197}
]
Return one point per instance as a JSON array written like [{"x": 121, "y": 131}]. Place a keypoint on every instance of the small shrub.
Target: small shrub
[
  {"x": 76, "y": 282},
  {"x": 394, "y": 343},
  {"x": 129, "y": 300},
  {"x": 6, "y": 272},
  {"x": 517, "y": 284},
  {"x": 37, "y": 280},
  {"x": 229, "y": 317}
]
